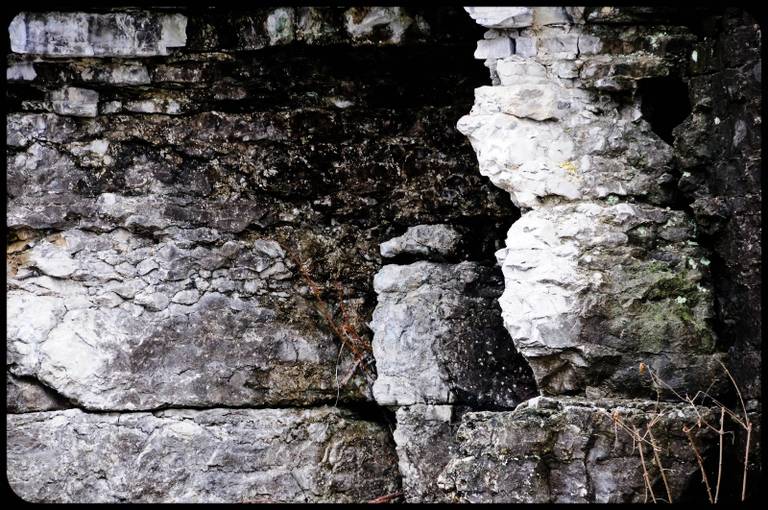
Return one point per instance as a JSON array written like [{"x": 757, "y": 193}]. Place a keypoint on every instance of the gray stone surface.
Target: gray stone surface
[
  {"x": 569, "y": 450},
  {"x": 424, "y": 241},
  {"x": 425, "y": 438},
  {"x": 592, "y": 290},
  {"x": 75, "y": 101},
  {"x": 78, "y": 34},
  {"x": 115, "y": 321},
  {"x": 220, "y": 455},
  {"x": 436, "y": 338}
]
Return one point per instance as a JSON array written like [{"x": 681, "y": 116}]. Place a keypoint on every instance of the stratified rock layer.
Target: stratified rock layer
[
  {"x": 569, "y": 450},
  {"x": 221, "y": 455}
]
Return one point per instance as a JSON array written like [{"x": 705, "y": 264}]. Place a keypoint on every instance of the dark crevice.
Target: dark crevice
[{"x": 664, "y": 104}]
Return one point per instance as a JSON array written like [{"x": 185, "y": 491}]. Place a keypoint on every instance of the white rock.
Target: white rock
[
  {"x": 51, "y": 260},
  {"x": 75, "y": 101},
  {"x": 186, "y": 297},
  {"x": 21, "y": 71},
  {"x": 114, "y": 34},
  {"x": 424, "y": 240},
  {"x": 494, "y": 48},
  {"x": 502, "y": 17}
]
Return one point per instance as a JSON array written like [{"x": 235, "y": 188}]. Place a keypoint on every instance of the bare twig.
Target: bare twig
[
  {"x": 386, "y": 498},
  {"x": 655, "y": 449},
  {"x": 746, "y": 463},
  {"x": 720, "y": 461},
  {"x": 704, "y": 477},
  {"x": 345, "y": 330},
  {"x": 646, "y": 477}
]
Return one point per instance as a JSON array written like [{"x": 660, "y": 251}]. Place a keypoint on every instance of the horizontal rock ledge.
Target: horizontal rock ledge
[{"x": 220, "y": 455}]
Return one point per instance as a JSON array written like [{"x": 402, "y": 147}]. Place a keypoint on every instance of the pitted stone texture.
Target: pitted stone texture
[
  {"x": 570, "y": 451},
  {"x": 117, "y": 321},
  {"x": 425, "y": 443},
  {"x": 221, "y": 455},
  {"x": 437, "y": 338},
  {"x": 593, "y": 290},
  {"x": 115, "y": 34},
  {"x": 424, "y": 241},
  {"x": 24, "y": 395}
]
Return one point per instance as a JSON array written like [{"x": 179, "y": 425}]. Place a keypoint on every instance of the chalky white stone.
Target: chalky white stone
[{"x": 114, "y": 34}]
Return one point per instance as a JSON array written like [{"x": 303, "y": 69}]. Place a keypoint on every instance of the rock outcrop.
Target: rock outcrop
[
  {"x": 173, "y": 175},
  {"x": 221, "y": 455},
  {"x": 437, "y": 338},
  {"x": 608, "y": 274},
  {"x": 568, "y": 450},
  {"x": 251, "y": 258}
]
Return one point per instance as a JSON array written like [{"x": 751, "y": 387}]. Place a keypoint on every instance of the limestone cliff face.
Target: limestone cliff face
[
  {"x": 609, "y": 279},
  {"x": 253, "y": 255}
]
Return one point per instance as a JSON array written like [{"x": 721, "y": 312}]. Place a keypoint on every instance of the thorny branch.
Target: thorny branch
[
  {"x": 638, "y": 439},
  {"x": 344, "y": 329}
]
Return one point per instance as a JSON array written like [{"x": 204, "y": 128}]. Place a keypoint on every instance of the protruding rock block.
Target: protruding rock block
[
  {"x": 438, "y": 340},
  {"x": 425, "y": 241},
  {"x": 114, "y": 34},
  {"x": 502, "y": 17},
  {"x": 592, "y": 290},
  {"x": 116, "y": 321},
  {"x": 220, "y": 455},
  {"x": 574, "y": 451}
]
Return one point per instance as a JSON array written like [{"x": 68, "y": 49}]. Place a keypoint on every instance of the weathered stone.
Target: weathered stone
[
  {"x": 21, "y": 71},
  {"x": 363, "y": 22},
  {"x": 718, "y": 148},
  {"x": 494, "y": 48},
  {"x": 221, "y": 455},
  {"x": 425, "y": 241},
  {"x": 425, "y": 444},
  {"x": 584, "y": 156},
  {"x": 75, "y": 101},
  {"x": 115, "y": 34},
  {"x": 25, "y": 395},
  {"x": 572, "y": 451},
  {"x": 502, "y": 17},
  {"x": 593, "y": 290},
  {"x": 436, "y": 339},
  {"x": 127, "y": 323}
]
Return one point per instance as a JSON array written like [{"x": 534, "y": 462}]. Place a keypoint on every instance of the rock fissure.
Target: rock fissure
[{"x": 205, "y": 205}]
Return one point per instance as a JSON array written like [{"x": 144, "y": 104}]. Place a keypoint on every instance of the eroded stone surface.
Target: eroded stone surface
[
  {"x": 220, "y": 455},
  {"x": 425, "y": 241},
  {"x": 436, "y": 337},
  {"x": 592, "y": 290},
  {"x": 425, "y": 438},
  {"x": 117, "y": 321},
  {"x": 599, "y": 275},
  {"x": 78, "y": 34},
  {"x": 569, "y": 451}
]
